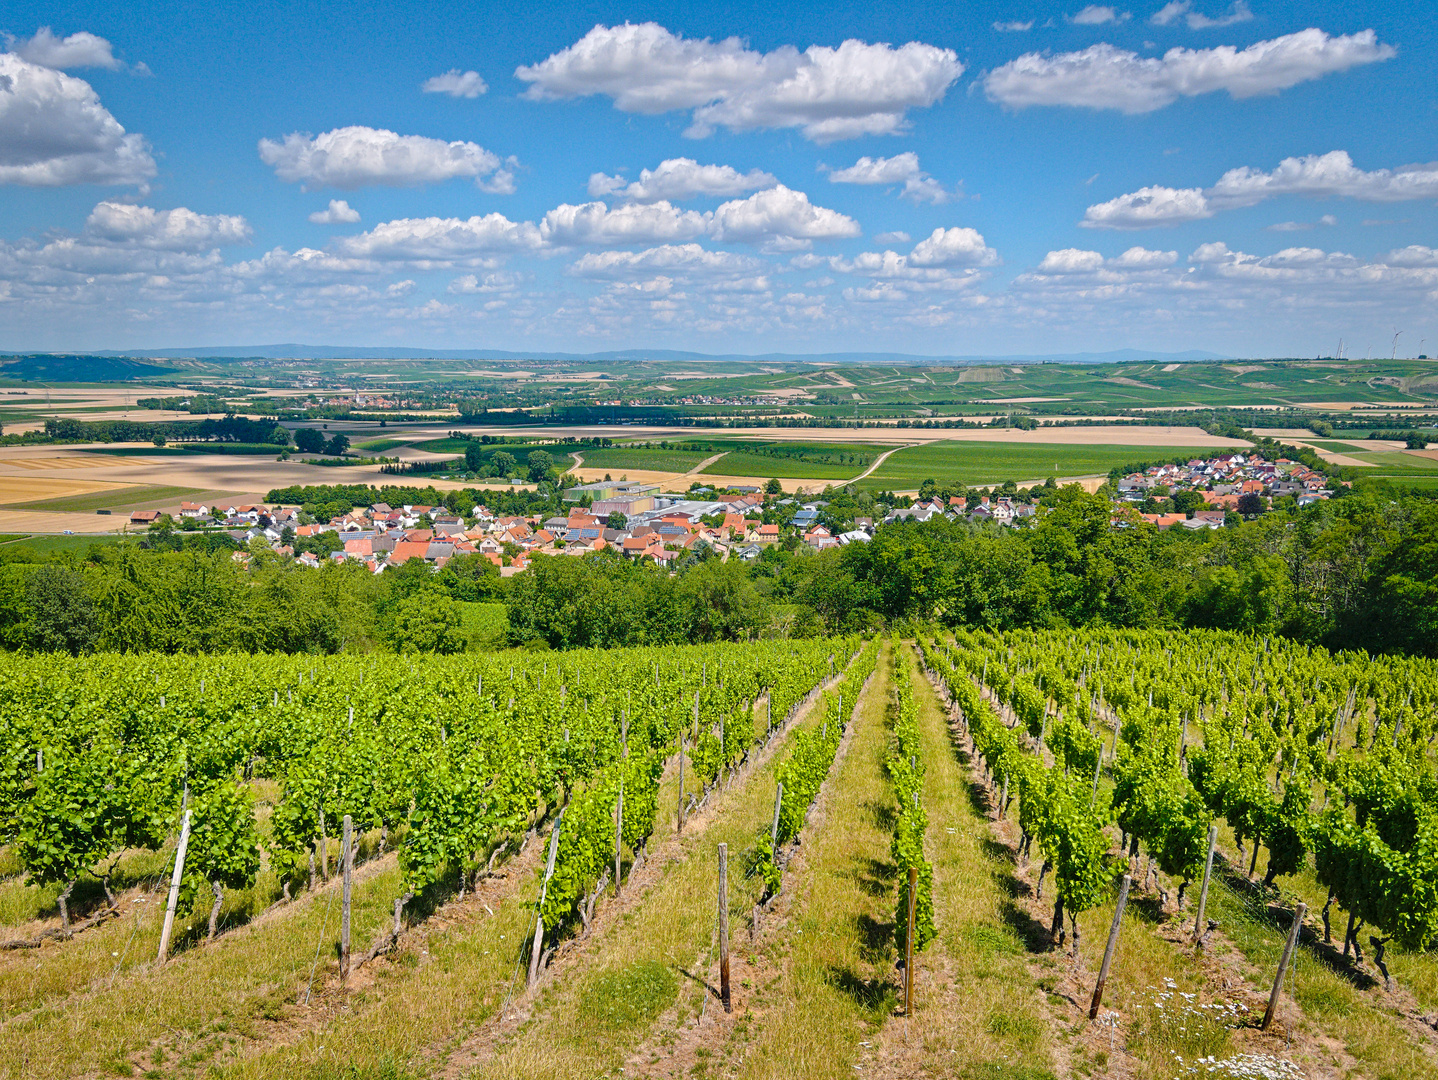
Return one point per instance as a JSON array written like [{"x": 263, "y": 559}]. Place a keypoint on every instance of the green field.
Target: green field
[
  {"x": 44, "y": 544},
  {"x": 747, "y": 463},
  {"x": 434, "y": 446},
  {"x": 1397, "y": 459},
  {"x": 139, "y": 498},
  {"x": 993, "y": 463},
  {"x": 1425, "y": 481},
  {"x": 797, "y": 460},
  {"x": 142, "y": 451},
  {"x": 618, "y": 459},
  {"x": 379, "y": 446},
  {"x": 1333, "y": 446},
  {"x": 230, "y": 448}
]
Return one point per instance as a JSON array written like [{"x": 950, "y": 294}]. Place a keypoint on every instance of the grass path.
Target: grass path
[
  {"x": 263, "y": 1000},
  {"x": 1329, "y": 1026},
  {"x": 831, "y": 980},
  {"x": 655, "y": 962},
  {"x": 979, "y": 1010}
]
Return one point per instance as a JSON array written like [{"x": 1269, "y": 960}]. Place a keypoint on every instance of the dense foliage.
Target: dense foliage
[
  {"x": 1214, "y": 726},
  {"x": 448, "y": 757}
]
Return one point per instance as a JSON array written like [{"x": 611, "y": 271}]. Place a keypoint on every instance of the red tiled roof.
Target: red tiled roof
[{"x": 406, "y": 550}]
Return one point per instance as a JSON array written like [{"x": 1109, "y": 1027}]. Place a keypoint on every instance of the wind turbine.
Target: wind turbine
[{"x": 1396, "y": 335}]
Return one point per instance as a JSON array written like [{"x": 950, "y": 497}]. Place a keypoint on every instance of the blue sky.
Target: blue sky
[{"x": 1252, "y": 178}]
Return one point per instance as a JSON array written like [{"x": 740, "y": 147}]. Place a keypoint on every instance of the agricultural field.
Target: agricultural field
[
  {"x": 119, "y": 498},
  {"x": 625, "y": 459},
  {"x": 1013, "y": 779},
  {"x": 797, "y": 460},
  {"x": 990, "y": 463}
]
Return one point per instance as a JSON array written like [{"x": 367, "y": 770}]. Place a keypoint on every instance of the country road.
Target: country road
[{"x": 877, "y": 462}]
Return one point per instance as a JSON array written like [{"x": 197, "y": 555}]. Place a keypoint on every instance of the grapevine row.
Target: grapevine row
[{"x": 447, "y": 758}]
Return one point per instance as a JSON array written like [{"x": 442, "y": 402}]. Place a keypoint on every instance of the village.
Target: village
[
  {"x": 640, "y": 521},
  {"x": 1202, "y": 494}
]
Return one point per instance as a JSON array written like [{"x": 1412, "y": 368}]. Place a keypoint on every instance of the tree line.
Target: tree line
[{"x": 1355, "y": 572}]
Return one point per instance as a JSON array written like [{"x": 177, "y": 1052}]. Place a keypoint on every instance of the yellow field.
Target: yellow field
[
  {"x": 21, "y": 489},
  {"x": 61, "y": 461}
]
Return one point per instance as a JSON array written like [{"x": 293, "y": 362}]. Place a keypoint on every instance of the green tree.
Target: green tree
[
  {"x": 773, "y": 487},
  {"x": 474, "y": 457},
  {"x": 616, "y": 520},
  {"x": 722, "y": 602},
  {"x": 1187, "y": 501},
  {"x": 62, "y": 614},
  {"x": 338, "y": 444},
  {"x": 540, "y": 463},
  {"x": 503, "y": 462},
  {"x": 309, "y": 441},
  {"x": 1400, "y": 610},
  {"x": 426, "y": 622}
]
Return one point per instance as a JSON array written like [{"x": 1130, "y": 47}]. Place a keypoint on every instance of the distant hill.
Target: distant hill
[
  {"x": 56, "y": 368},
  {"x": 345, "y": 352}
]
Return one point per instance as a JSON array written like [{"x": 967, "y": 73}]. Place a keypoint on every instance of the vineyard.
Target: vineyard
[{"x": 506, "y": 865}]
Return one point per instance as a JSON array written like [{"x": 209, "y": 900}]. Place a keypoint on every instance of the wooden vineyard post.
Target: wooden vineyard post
[
  {"x": 724, "y": 926},
  {"x": 1298, "y": 913},
  {"x": 1203, "y": 892},
  {"x": 774, "y": 830},
  {"x": 538, "y": 950},
  {"x": 679, "y": 827},
  {"x": 909, "y": 942},
  {"x": 618, "y": 837},
  {"x": 1108, "y": 949},
  {"x": 174, "y": 887},
  {"x": 347, "y": 865}
]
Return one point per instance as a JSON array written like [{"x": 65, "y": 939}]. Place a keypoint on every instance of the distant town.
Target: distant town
[{"x": 640, "y": 521}]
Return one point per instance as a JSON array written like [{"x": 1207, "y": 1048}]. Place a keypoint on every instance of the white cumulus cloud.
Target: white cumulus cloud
[
  {"x": 442, "y": 240},
  {"x": 81, "y": 49},
  {"x": 1326, "y": 175},
  {"x": 1098, "y": 15},
  {"x": 634, "y": 223},
  {"x": 953, "y": 247},
  {"x": 1147, "y": 207},
  {"x": 501, "y": 281},
  {"x": 1238, "y": 12},
  {"x": 54, "y": 131},
  {"x": 1314, "y": 175},
  {"x": 339, "y": 212},
  {"x": 1140, "y": 258},
  {"x": 782, "y": 218},
  {"x": 1172, "y": 12},
  {"x": 356, "y": 156},
  {"x": 1014, "y": 26},
  {"x": 456, "y": 83},
  {"x": 900, "y": 169},
  {"x": 829, "y": 93},
  {"x": 1071, "y": 261},
  {"x": 677, "y": 179},
  {"x": 1106, "y": 77},
  {"x": 179, "y": 229},
  {"x": 1077, "y": 261},
  {"x": 673, "y": 260}
]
